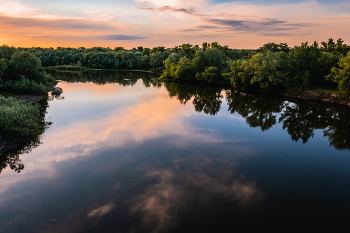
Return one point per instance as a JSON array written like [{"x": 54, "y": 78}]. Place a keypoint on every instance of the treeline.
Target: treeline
[
  {"x": 22, "y": 72},
  {"x": 272, "y": 66}
]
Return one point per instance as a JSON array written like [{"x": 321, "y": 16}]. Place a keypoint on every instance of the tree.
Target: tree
[
  {"x": 270, "y": 70},
  {"x": 199, "y": 62},
  {"x": 341, "y": 75},
  {"x": 305, "y": 61},
  {"x": 146, "y": 51},
  {"x": 211, "y": 74},
  {"x": 214, "y": 57},
  {"x": 117, "y": 49},
  {"x": 156, "y": 59},
  {"x": 205, "y": 46},
  {"x": 183, "y": 69},
  {"x": 25, "y": 64},
  {"x": 7, "y": 51},
  {"x": 3, "y": 67}
]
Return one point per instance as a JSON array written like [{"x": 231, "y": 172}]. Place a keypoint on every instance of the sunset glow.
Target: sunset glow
[{"x": 239, "y": 24}]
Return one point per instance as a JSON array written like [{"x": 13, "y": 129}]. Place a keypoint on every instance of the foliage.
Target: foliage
[
  {"x": 211, "y": 74},
  {"x": 26, "y": 86},
  {"x": 269, "y": 70},
  {"x": 3, "y": 67},
  {"x": 25, "y": 64},
  {"x": 306, "y": 67},
  {"x": 341, "y": 75},
  {"x": 338, "y": 49},
  {"x": 19, "y": 120}
]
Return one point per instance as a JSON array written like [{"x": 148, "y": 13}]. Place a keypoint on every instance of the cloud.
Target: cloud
[
  {"x": 55, "y": 23},
  {"x": 250, "y": 26},
  {"x": 121, "y": 37},
  {"x": 189, "y": 11},
  {"x": 103, "y": 210},
  {"x": 200, "y": 28}
]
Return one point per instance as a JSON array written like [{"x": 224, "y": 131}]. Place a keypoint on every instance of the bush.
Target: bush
[
  {"x": 25, "y": 86},
  {"x": 19, "y": 120},
  {"x": 211, "y": 74}
]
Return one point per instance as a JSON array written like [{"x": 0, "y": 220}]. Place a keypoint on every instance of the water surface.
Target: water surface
[{"x": 127, "y": 153}]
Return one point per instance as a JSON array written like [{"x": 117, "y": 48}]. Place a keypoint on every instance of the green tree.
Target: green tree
[
  {"x": 183, "y": 69},
  {"x": 341, "y": 75},
  {"x": 146, "y": 51},
  {"x": 214, "y": 57},
  {"x": 241, "y": 74},
  {"x": 270, "y": 70},
  {"x": 156, "y": 59},
  {"x": 306, "y": 67},
  {"x": 211, "y": 74},
  {"x": 3, "y": 67},
  {"x": 25, "y": 64},
  {"x": 7, "y": 51}
]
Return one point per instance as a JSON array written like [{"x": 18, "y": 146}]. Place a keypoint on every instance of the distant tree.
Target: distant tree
[
  {"x": 146, "y": 51},
  {"x": 183, "y": 69},
  {"x": 7, "y": 51},
  {"x": 117, "y": 49},
  {"x": 156, "y": 59},
  {"x": 140, "y": 48},
  {"x": 145, "y": 62},
  {"x": 205, "y": 46},
  {"x": 3, "y": 67}
]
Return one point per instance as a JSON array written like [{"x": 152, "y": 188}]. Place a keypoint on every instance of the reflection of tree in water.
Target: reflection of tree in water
[
  {"x": 301, "y": 120},
  {"x": 106, "y": 76},
  {"x": 11, "y": 158},
  {"x": 205, "y": 98},
  {"x": 258, "y": 110},
  {"x": 338, "y": 132}
]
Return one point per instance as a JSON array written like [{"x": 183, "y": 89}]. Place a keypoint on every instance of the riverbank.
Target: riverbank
[
  {"x": 327, "y": 97},
  {"x": 18, "y": 115},
  {"x": 77, "y": 69}
]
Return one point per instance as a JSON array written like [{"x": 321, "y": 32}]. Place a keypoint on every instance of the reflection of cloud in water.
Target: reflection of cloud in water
[
  {"x": 103, "y": 210},
  {"x": 162, "y": 202},
  {"x": 94, "y": 89}
]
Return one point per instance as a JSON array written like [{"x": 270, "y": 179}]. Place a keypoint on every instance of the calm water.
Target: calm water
[{"x": 127, "y": 153}]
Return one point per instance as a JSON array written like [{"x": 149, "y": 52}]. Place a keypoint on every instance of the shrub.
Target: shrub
[
  {"x": 211, "y": 74},
  {"x": 19, "y": 120},
  {"x": 26, "y": 86}
]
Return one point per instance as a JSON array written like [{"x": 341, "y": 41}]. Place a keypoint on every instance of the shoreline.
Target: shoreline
[
  {"x": 6, "y": 144},
  {"x": 338, "y": 99}
]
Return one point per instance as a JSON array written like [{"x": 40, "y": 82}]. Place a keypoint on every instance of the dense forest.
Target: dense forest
[{"x": 272, "y": 66}]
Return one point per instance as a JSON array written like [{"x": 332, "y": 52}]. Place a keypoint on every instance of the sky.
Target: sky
[{"x": 131, "y": 23}]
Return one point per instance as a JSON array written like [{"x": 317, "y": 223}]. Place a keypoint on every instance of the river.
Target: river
[{"x": 128, "y": 153}]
